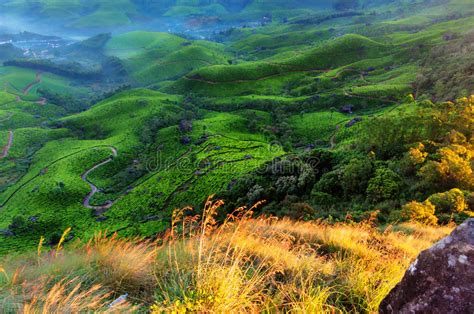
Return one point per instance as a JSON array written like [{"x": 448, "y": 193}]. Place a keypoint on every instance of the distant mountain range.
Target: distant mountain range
[{"x": 107, "y": 14}]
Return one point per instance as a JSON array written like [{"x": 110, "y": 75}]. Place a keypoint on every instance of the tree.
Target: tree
[
  {"x": 452, "y": 201},
  {"x": 417, "y": 155},
  {"x": 356, "y": 176},
  {"x": 322, "y": 199},
  {"x": 256, "y": 193},
  {"x": 18, "y": 224},
  {"x": 329, "y": 183},
  {"x": 306, "y": 177},
  {"x": 384, "y": 185},
  {"x": 453, "y": 169},
  {"x": 420, "y": 212},
  {"x": 286, "y": 185},
  {"x": 387, "y": 136}
]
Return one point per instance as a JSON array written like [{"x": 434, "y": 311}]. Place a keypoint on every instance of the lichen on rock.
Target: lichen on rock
[{"x": 440, "y": 280}]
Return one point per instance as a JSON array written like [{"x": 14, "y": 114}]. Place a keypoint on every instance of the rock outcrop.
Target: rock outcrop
[{"x": 441, "y": 280}]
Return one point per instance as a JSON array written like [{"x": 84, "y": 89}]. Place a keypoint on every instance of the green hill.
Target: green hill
[
  {"x": 151, "y": 57},
  {"x": 134, "y": 43},
  {"x": 154, "y": 66},
  {"x": 55, "y": 190},
  {"x": 338, "y": 70},
  {"x": 344, "y": 50},
  {"x": 338, "y": 114},
  {"x": 304, "y": 151}
]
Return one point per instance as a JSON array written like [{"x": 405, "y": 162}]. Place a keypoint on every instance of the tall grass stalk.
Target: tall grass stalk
[
  {"x": 40, "y": 246},
  {"x": 62, "y": 239},
  {"x": 241, "y": 264}
]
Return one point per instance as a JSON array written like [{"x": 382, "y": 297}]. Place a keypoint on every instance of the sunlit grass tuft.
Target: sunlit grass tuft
[{"x": 243, "y": 264}]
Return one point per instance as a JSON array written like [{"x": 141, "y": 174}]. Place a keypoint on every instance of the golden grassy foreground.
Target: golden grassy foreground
[{"x": 243, "y": 265}]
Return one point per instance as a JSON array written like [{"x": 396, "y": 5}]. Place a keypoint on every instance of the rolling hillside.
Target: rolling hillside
[
  {"x": 208, "y": 161},
  {"x": 152, "y": 57},
  {"x": 306, "y": 151},
  {"x": 344, "y": 114}
]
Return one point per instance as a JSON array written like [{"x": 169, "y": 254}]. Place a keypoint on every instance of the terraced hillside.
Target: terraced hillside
[
  {"x": 152, "y": 57},
  {"x": 138, "y": 180},
  {"x": 334, "y": 54},
  {"x": 349, "y": 99}
]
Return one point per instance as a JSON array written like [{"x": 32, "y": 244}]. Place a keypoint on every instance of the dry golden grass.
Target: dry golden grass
[{"x": 242, "y": 265}]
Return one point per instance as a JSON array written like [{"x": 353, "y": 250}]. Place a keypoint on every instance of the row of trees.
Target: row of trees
[{"x": 71, "y": 70}]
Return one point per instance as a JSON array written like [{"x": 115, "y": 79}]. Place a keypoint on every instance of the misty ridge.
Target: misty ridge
[{"x": 91, "y": 17}]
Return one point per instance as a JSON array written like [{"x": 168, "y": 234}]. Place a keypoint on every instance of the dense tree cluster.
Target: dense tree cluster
[
  {"x": 417, "y": 165},
  {"x": 68, "y": 102},
  {"x": 71, "y": 69}
]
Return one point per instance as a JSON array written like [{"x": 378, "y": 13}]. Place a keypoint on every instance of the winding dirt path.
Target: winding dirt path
[
  {"x": 42, "y": 101},
  {"x": 7, "y": 147},
  {"x": 95, "y": 189},
  {"x": 43, "y": 170},
  {"x": 28, "y": 87},
  {"x": 26, "y": 90}
]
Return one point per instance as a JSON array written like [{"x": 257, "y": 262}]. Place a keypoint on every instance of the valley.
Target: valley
[
  {"x": 207, "y": 106},
  {"x": 344, "y": 113}
]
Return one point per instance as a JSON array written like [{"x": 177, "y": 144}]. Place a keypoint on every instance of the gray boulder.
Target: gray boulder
[{"x": 440, "y": 280}]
